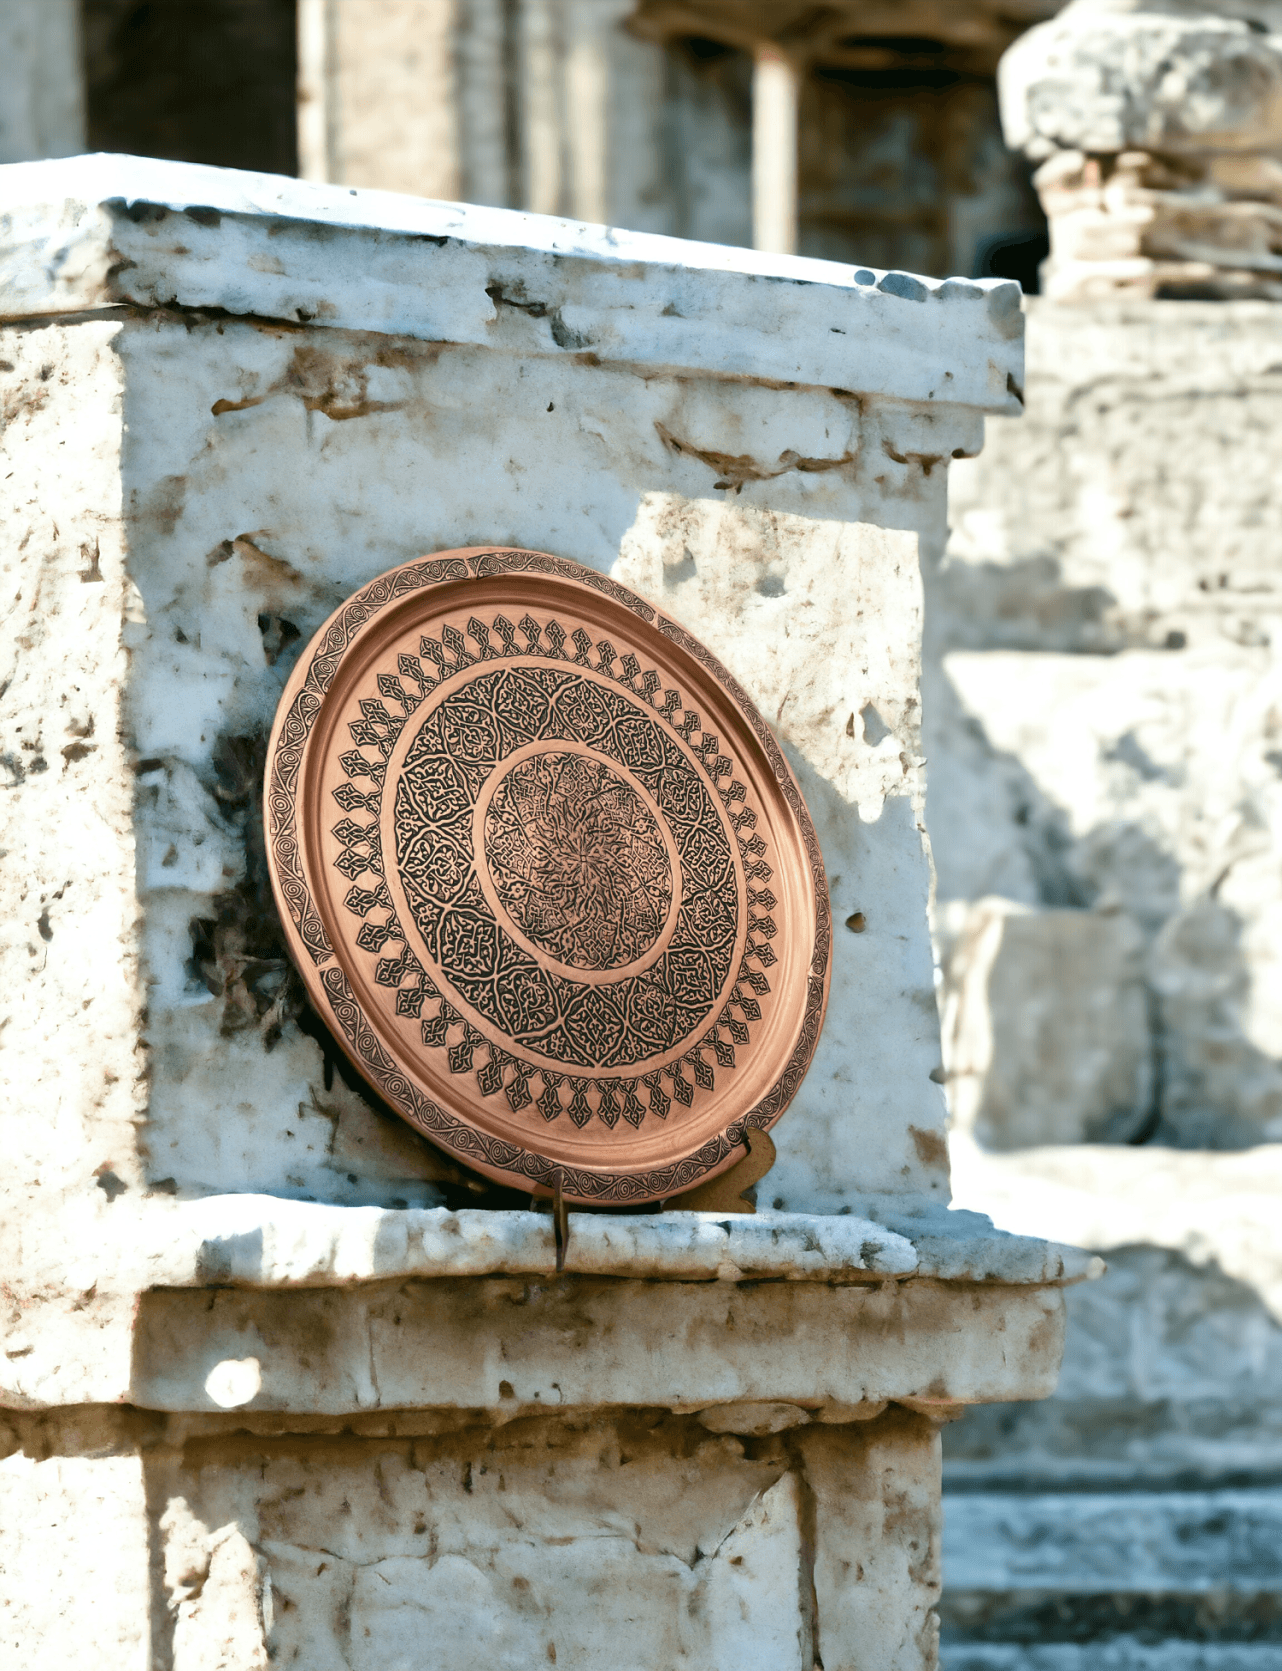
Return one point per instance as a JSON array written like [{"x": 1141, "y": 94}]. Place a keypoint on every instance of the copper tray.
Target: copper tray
[{"x": 547, "y": 876}]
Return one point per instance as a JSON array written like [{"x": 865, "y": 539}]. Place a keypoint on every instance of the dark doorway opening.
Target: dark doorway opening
[{"x": 208, "y": 81}]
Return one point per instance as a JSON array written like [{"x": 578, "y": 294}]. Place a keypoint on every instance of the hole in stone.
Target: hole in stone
[
  {"x": 856, "y": 922},
  {"x": 875, "y": 728},
  {"x": 676, "y": 574},
  {"x": 278, "y": 635},
  {"x": 770, "y": 586},
  {"x": 110, "y": 1185}
]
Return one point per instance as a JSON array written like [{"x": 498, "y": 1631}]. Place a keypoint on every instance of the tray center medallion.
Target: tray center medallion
[{"x": 577, "y": 859}]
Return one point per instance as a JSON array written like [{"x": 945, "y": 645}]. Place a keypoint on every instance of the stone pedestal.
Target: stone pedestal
[{"x": 274, "y": 1389}]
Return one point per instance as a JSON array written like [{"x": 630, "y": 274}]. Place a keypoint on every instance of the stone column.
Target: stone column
[
  {"x": 1159, "y": 132},
  {"x": 776, "y": 86},
  {"x": 42, "y": 84},
  {"x": 548, "y": 104},
  {"x": 378, "y": 94},
  {"x": 280, "y": 1384}
]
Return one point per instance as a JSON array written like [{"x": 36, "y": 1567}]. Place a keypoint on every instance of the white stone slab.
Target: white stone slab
[
  {"x": 93, "y": 232},
  {"x": 259, "y": 1241},
  {"x": 969, "y": 1295}
]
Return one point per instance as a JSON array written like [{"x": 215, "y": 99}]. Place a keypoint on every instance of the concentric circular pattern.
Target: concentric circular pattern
[
  {"x": 578, "y": 860},
  {"x": 535, "y": 993},
  {"x": 545, "y": 886}
]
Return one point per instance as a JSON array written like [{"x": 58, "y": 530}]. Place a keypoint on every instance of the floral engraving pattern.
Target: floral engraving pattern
[
  {"x": 578, "y": 860},
  {"x": 566, "y": 1035},
  {"x": 585, "y": 1026}
]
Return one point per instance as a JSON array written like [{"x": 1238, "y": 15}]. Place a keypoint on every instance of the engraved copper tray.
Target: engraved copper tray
[{"x": 547, "y": 876}]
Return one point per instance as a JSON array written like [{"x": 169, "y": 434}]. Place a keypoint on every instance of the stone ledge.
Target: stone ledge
[
  {"x": 258, "y": 1241},
  {"x": 85, "y": 233},
  {"x": 516, "y": 1344},
  {"x": 144, "y": 1302},
  {"x": 1217, "y": 1208}
]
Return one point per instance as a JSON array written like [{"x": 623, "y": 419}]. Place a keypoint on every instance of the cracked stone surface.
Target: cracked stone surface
[{"x": 360, "y": 1549}]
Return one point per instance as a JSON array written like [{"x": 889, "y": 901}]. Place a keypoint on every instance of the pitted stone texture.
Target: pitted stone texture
[
  {"x": 261, "y": 1242},
  {"x": 82, "y": 1346},
  {"x": 1171, "y": 76},
  {"x": 505, "y": 1343},
  {"x": 74, "y": 1578},
  {"x": 675, "y": 1557},
  {"x": 244, "y": 476},
  {"x": 756, "y": 586},
  {"x": 72, "y": 922},
  {"x": 636, "y": 1541},
  {"x": 877, "y": 1541},
  {"x": 103, "y": 231},
  {"x": 227, "y": 544}
]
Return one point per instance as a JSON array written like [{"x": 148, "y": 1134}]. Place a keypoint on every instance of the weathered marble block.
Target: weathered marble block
[{"x": 243, "y": 1306}]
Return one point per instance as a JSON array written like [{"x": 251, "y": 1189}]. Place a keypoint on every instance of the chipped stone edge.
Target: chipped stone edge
[
  {"x": 92, "y": 232},
  {"x": 260, "y": 1241}
]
